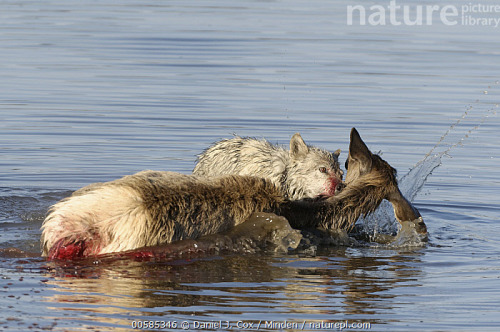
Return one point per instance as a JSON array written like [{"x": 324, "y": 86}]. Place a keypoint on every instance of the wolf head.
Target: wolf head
[
  {"x": 312, "y": 171},
  {"x": 369, "y": 169}
]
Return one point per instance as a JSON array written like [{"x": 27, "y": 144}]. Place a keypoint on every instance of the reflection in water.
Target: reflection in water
[{"x": 348, "y": 281}]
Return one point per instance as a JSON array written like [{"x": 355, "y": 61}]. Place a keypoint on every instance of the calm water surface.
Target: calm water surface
[{"x": 90, "y": 92}]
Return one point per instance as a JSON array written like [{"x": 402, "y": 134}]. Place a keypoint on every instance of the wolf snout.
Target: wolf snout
[
  {"x": 339, "y": 187},
  {"x": 332, "y": 187}
]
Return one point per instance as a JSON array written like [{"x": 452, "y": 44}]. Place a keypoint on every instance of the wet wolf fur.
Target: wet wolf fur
[
  {"x": 302, "y": 172},
  {"x": 153, "y": 208}
]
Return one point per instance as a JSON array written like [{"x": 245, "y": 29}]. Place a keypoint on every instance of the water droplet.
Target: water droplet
[{"x": 485, "y": 92}]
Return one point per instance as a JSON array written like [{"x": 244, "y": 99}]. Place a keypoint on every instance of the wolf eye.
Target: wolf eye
[{"x": 323, "y": 170}]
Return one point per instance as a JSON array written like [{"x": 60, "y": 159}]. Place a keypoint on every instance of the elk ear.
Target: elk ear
[
  {"x": 358, "y": 151},
  {"x": 298, "y": 148}
]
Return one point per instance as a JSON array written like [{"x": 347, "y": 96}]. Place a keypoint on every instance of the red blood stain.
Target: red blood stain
[
  {"x": 65, "y": 249},
  {"x": 331, "y": 186}
]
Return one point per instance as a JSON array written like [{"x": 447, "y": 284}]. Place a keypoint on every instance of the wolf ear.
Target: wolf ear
[
  {"x": 298, "y": 148},
  {"x": 337, "y": 153},
  {"x": 359, "y": 151}
]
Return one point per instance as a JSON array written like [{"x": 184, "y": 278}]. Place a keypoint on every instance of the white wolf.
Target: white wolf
[{"x": 302, "y": 172}]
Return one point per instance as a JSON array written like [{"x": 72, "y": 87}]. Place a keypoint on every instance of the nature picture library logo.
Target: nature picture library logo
[{"x": 394, "y": 13}]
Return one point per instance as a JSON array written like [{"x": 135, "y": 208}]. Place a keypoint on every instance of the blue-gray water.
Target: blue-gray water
[{"x": 91, "y": 91}]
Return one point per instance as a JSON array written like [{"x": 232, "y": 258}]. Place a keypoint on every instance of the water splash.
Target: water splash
[
  {"x": 265, "y": 230},
  {"x": 383, "y": 221}
]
